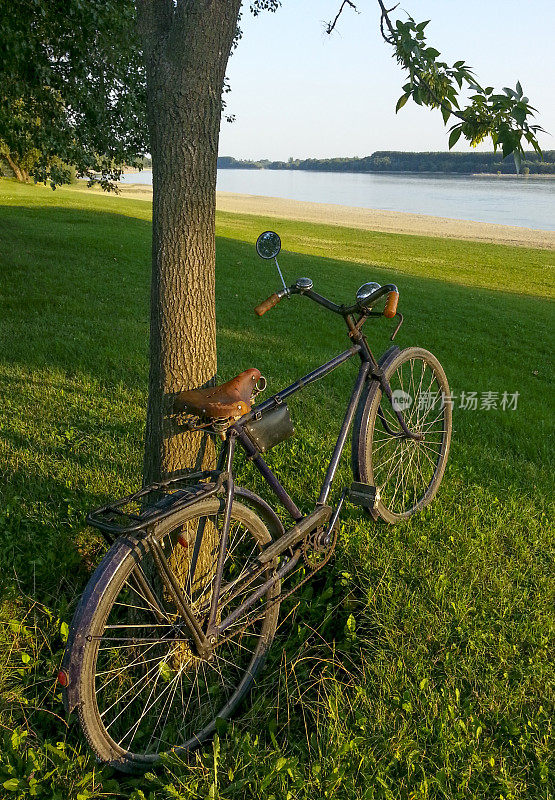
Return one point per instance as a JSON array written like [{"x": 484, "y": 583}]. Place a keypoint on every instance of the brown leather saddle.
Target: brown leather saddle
[{"x": 230, "y": 399}]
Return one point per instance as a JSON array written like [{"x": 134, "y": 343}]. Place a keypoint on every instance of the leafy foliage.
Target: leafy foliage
[
  {"x": 257, "y": 6},
  {"x": 72, "y": 88},
  {"x": 503, "y": 116}
]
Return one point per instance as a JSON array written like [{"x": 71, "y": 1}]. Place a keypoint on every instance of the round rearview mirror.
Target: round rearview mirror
[
  {"x": 365, "y": 291},
  {"x": 268, "y": 244}
]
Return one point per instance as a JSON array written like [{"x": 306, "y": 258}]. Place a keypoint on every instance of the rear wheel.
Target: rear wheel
[
  {"x": 144, "y": 690},
  {"x": 406, "y": 472}
]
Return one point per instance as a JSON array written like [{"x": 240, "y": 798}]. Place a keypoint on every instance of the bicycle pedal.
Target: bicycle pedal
[{"x": 363, "y": 494}]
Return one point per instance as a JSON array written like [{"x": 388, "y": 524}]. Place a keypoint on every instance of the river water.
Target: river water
[{"x": 525, "y": 201}]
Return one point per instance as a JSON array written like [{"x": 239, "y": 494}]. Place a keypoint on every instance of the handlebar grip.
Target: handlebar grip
[
  {"x": 267, "y": 304},
  {"x": 391, "y": 306}
]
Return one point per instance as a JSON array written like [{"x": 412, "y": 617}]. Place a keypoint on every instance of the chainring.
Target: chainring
[{"x": 313, "y": 550}]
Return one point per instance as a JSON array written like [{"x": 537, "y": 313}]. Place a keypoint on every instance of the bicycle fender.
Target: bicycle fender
[
  {"x": 269, "y": 516},
  {"x": 388, "y": 356},
  {"x": 80, "y": 624}
]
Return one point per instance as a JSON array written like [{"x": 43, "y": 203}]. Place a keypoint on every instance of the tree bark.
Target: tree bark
[
  {"x": 19, "y": 173},
  {"x": 187, "y": 46}
]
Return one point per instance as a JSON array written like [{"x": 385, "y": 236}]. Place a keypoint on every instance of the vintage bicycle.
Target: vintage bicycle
[{"x": 175, "y": 622}]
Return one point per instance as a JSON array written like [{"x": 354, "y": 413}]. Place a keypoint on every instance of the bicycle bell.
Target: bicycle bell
[{"x": 304, "y": 284}]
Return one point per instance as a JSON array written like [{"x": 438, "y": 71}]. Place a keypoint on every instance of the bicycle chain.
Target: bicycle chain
[{"x": 282, "y": 597}]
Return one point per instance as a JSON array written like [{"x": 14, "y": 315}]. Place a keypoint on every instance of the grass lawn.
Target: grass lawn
[{"x": 421, "y": 665}]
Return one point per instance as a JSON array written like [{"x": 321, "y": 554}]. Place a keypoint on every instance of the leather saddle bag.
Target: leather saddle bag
[{"x": 273, "y": 427}]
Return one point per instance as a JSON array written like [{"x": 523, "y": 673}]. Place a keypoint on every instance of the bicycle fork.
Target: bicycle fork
[{"x": 386, "y": 389}]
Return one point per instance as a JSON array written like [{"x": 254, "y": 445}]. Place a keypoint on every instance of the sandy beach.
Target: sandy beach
[{"x": 369, "y": 219}]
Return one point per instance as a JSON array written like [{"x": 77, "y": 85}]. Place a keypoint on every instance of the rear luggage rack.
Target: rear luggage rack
[{"x": 153, "y": 503}]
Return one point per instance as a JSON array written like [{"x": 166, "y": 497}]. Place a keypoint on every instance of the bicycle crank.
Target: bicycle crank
[
  {"x": 315, "y": 548},
  {"x": 296, "y": 534}
]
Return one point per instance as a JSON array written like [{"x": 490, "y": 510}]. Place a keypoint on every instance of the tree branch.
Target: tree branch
[
  {"x": 385, "y": 18},
  {"x": 434, "y": 83},
  {"x": 420, "y": 81},
  {"x": 331, "y": 25}
]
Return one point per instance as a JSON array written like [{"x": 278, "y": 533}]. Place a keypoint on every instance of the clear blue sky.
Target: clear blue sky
[{"x": 298, "y": 92}]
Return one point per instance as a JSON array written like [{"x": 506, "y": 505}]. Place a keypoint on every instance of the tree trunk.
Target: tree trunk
[
  {"x": 19, "y": 173},
  {"x": 187, "y": 47}
]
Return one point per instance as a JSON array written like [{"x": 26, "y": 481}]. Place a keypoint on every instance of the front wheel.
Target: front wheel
[
  {"x": 144, "y": 690},
  {"x": 406, "y": 472}
]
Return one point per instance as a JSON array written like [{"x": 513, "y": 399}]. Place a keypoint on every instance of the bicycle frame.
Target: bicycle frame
[
  {"x": 275, "y": 485},
  {"x": 369, "y": 368}
]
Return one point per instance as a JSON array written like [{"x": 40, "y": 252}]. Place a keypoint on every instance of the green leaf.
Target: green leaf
[
  {"x": 281, "y": 762},
  {"x": 536, "y": 146},
  {"x": 165, "y": 671},
  {"x": 18, "y": 736},
  {"x": 327, "y": 593},
  {"x": 12, "y": 785},
  {"x": 506, "y": 147},
  {"x": 519, "y": 113},
  {"x": 64, "y": 631},
  {"x": 454, "y": 137},
  {"x": 445, "y": 113},
  {"x": 401, "y": 102}
]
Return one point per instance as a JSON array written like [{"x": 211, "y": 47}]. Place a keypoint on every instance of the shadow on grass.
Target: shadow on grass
[
  {"x": 75, "y": 292},
  {"x": 45, "y": 550},
  {"x": 75, "y": 317}
]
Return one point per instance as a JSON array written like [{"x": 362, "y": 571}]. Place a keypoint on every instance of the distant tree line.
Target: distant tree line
[{"x": 396, "y": 161}]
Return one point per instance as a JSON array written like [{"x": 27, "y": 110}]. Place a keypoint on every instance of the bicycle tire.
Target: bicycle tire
[
  {"x": 406, "y": 473},
  {"x": 147, "y": 668}
]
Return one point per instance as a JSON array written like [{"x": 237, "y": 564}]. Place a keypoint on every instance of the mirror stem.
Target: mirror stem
[{"x": 280, "y": 275}]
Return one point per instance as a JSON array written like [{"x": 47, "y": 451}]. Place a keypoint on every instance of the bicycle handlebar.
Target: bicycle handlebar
[
  {"x": 267, "y": 304},
  {"x": 391, "y": 306},
  {"x": 389, "y": 311}
]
